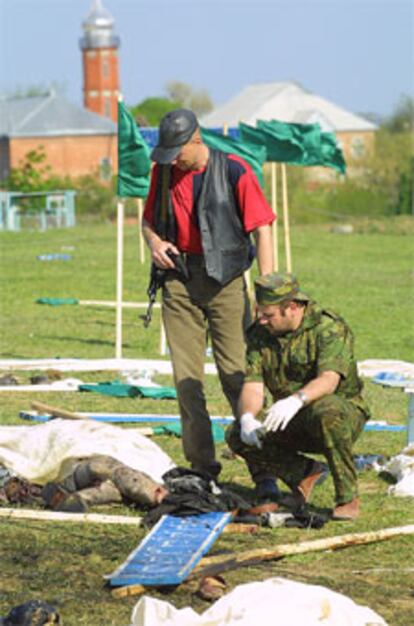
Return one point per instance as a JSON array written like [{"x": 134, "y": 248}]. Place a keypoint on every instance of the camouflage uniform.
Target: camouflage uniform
[{"x": 328, "y": 426}]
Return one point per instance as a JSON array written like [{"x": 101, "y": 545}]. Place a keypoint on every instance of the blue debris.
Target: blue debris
[
  {"x": 172, "y": 549},
  {"x": 54, "y": 257}
]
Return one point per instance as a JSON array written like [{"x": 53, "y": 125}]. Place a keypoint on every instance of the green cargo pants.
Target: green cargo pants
[
  {"x": 188, "y": 310},
  {"x": 328, "y": 426}
]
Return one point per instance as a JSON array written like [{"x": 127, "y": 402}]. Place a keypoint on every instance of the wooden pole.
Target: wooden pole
[
  {"x": 247, "y": 278},
  {"x": 140, "y": 207},
  {"x": 112, "y": 303},
  {"x": 120, "y": 254},
  {"x": 211, "y": 566},
  {"x": 56, "y": 516},
  {"x": 275, "y": 223},
  {"x": 286, "y": 219},
  {"x": 57, "y": 412},
  {"x": 163, "y": 339}
]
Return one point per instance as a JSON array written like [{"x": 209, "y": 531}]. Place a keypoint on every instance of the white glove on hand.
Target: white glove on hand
[
  {"x": 250, "y": 429},
  {"x": 281, "y": 412}
]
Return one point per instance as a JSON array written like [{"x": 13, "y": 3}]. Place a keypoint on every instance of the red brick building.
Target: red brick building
[{"x": 75, "y": 140}]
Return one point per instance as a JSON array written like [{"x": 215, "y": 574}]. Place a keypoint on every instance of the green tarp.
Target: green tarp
[
  {"x": 299, "y": 144},
  {"x": 134, "y": 163},
  {"x": 57, "y": 301},
  {"x": 123, "y": 390},
  {"x": 175, "y": 428},
  {"x": 253, "y": 153}
]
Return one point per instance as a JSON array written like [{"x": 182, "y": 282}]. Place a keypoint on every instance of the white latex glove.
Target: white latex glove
[
  {"x": 281, "y": 412},
  {"x": 250, "y": 429}
]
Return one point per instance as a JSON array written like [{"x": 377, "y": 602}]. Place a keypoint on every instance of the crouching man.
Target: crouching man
[{"x": 303, "y": 355}]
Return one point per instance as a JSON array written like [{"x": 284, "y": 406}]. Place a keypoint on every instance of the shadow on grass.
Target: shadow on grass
[{"x": 91, "y": 342}]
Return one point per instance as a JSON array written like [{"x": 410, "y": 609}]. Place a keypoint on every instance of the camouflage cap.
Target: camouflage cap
[{"x": 276, "y": 287}]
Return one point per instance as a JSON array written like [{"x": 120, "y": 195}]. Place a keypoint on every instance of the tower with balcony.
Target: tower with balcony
[{"x": 99, "y": 45}]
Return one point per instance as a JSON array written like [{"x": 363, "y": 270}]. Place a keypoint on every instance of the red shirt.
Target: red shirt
[{"x": 185, "y": 190}]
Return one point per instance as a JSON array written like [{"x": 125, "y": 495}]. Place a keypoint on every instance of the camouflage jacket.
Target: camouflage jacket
[{"x": 285, "y": 363}]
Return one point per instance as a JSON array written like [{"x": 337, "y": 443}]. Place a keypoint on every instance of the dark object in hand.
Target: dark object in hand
[
  {"x": 157, "y": 280},
  {"x": 179, "y": 263}
]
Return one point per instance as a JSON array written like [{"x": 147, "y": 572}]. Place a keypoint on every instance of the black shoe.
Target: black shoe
[{"x": 267, "y": 489}]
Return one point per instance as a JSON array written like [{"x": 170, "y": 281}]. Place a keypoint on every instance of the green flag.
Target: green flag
[
  {"x": 134, "y": 163},
  {"x": 318, "y": 148},
  {"x": 280, "y": 146},
  {"x": 332, "y": 155},
  {"x": 254, "y": 154}
]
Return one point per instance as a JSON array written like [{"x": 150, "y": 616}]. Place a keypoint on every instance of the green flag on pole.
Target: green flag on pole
[
  {"x": 134, "y": 163},
  {"x": 280, "y": 146},
  {"x": 318, "y": 148},
  {"x": 332, "y": 155},
  {"x": 254, "y": 154}
]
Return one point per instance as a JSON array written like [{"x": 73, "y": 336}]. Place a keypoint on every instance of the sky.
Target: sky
[{"x": 356, "y": 53}]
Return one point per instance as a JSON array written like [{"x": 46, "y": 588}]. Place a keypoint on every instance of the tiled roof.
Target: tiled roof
[
  {"x": 286, "y": 102},
  {"x": 49, "y": 115}
]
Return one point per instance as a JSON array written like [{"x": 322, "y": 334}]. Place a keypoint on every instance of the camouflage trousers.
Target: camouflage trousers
[
  {"x": 189, "y": 310},
  {"x": 328, "y": 426}
]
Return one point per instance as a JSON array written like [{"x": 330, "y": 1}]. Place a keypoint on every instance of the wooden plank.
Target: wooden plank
[
  {"x": 56, "y": 516},
  {"x": 57, "y": 412},
  {"x": 211, "y": 566}
]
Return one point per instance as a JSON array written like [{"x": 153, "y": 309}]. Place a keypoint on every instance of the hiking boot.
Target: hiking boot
[
  {"x": 301, "y": 494},
  {"x": 346, "y": 512},
  {"x": 53, "y": 495},
  {"x": 57, "y": 498},
  {"x": 73, "y": 503}
]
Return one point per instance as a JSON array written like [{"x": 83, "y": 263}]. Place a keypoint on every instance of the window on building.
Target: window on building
[
  {"x": 105, "y": 68},
  {"x": 107, "y": 107},
  {"x": 358, "y": 147},
  {"x": 105, "y": 169}
]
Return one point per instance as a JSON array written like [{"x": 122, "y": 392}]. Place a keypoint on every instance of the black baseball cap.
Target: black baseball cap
[{"x": 176, "y": 129}]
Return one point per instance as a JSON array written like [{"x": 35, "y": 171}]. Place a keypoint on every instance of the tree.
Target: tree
[
  {"x": 31, "y": 174},
  {"x": 198, "y": 101},
  {"x": 150, "y": 111},
  {"x": 178, "y": 91},
  {"x": 402, "y": 118}
]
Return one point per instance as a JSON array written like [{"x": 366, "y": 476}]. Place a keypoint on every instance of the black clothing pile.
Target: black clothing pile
[{"x": 191, "y": 493}]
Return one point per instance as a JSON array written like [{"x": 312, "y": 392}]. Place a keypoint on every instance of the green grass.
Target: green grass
[{"x": 366, "y": 276}]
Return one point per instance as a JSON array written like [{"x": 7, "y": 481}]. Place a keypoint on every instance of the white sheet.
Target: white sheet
[
  {"x": 401, "y": 467},
  {"x": 371, "y": 367},
  {"x": 42, "y": 453},
  {"x": 275, "y": 601},
  {"x": 95, "y": 365}
]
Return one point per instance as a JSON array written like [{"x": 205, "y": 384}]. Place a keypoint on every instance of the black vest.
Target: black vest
[{"x": 226, "y": 246}]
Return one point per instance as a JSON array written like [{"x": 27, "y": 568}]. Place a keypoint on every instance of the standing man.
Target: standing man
[
  {"x": 203, "y": 205},
  {"x": 303, "y": 355}
]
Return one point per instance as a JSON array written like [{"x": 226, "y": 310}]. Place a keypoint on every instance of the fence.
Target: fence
[{"x": 37, "y": 211}]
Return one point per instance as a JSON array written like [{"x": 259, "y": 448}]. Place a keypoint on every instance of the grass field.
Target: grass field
[{"x": 367, "y": 276}]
